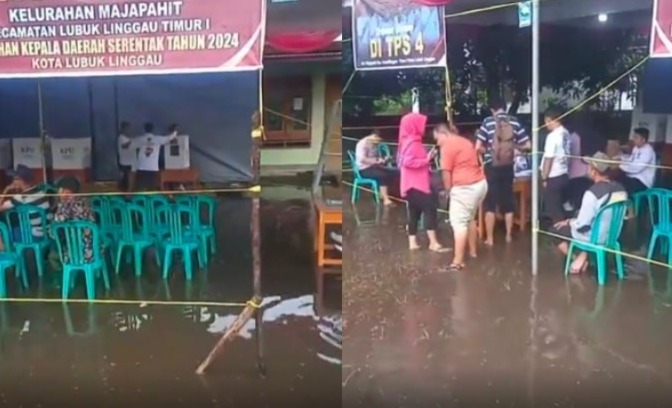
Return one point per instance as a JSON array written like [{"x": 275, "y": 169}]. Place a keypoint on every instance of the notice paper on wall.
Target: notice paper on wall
[
  {"x": 28, "y": 152},
  {"x": 71, "y": 154},
  {"x": 5, "y": 154}
]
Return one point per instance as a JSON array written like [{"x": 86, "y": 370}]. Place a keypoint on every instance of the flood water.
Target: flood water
[
  {"x": 492, "y": 335},
  {"x": 146, "y": 355}
]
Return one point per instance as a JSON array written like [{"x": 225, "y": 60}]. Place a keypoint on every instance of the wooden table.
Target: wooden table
[
  {"x": 325, "y": 215},
  {"x": 182, "y": 176},
  {"x": 522, "y": 191}
]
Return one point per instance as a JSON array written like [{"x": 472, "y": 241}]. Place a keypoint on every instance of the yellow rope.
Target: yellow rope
[
  {"x": 534, "y": 229},
  {"x": 253, "y": 189}
]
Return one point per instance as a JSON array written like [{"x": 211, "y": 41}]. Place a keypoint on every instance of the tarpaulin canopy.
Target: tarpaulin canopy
[
  {"x": 110, "y": 38},
  {"x": 661, "y": 29},
  {"x": 303, "y": 26}
]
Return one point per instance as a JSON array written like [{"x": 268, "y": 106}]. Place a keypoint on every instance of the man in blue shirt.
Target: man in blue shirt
[{"x": 500, "y": 176}]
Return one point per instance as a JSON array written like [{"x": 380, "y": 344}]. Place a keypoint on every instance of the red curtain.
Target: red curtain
[
  {"x": 302, "y": 42},
  {"x": 433, "y": 2}
]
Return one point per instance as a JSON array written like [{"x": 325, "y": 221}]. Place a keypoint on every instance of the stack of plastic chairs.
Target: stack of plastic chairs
[
  {"x": 179, "y": 239},
  {"x": 9, "y": 259},
  {"x": 659, "y": 201},
  {"x": 134, "y": 233}
]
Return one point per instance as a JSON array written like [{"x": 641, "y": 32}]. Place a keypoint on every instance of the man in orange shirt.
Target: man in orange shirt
[{"x": 463, "y": 177}]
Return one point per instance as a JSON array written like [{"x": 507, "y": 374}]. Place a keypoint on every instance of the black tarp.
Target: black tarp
[
  {"x": 657, "y": 86},
  {"x": 214, "y": 109}
]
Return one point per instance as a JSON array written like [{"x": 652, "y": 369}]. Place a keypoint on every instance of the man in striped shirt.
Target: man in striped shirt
[
  {"x": 500, "y": 178},
  {"x": 22, "y": 191}
]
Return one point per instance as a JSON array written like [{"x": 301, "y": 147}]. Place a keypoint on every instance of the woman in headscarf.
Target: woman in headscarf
[{"x": 414, "y": 163}]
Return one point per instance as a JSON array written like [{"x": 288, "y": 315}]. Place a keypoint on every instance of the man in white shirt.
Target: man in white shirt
[
  {"x": 638, "y": 169},
  {"x": 125, "y": 155},
  {"x": 149, "y": 147},
  {"x": 554, "y": 166}
]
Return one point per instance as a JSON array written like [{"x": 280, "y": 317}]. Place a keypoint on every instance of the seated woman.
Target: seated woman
[
  {"x": 464, "y": 178},
  {"x": 372, "y": 166},
  {"x": 72, "y": 207},
  {"x": 603, "y": 192}
]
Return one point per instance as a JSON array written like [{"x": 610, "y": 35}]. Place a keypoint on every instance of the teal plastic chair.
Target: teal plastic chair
[
  {"x": 203, "y": 230},
  {"x": 158, "y": 227},
  {"x": 360, "y": 181},
  {"x": 653, "y": 197},
  {"x": 10, "y": 259},
  {"x": 179, "y": 239},
  {"x": 659, "y": 206},
  {"x": 134, "y": 234},
  {"x": 206, "y": 227},
  {"x": 69, "y": 237},
  {"x": 19, "y": 219},
  {"x": 600, "y": 249}
]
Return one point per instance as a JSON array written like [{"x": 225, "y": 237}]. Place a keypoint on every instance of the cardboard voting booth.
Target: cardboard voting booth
[
  {"x": 5, "y": 154},
  {"x": 28, "y": 152},
  {"x": 176, "y": 154},
  {"x": 71, "y": 154}
]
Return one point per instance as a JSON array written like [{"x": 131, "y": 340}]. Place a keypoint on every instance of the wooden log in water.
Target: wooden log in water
[{"x": 230, "y": 334}]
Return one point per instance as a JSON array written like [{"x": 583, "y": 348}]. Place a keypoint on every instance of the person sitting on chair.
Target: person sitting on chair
[
  {"x": 372, "y": 166},
  {"x": 603, "y": 192},
  {"x": 638, "y": 169},
  {"x": 73, "y": 207}
]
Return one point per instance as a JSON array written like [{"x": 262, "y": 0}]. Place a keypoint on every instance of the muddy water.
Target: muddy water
[
  {"x": 491, "y": 335},
  {"x": 112, "y": 355}
]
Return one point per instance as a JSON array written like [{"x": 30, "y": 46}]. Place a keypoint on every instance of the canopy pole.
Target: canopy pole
[
  {"x": 43, "y": 132},
  {"x": 535, "y": 137}
]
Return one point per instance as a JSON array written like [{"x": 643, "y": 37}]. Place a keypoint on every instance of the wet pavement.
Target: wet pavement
[
  {"x": 146, "y": 355},
  {"x": 492, "y": 335}
]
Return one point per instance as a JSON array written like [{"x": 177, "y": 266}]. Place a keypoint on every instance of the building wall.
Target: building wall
[
  {"x": 325, "y": 78},
  {"x": 304, "y": 156}
]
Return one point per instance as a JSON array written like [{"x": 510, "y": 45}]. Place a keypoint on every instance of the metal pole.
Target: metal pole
[
  {"x": 43, "y": 132},
  {"x": 535, "y": 136}
]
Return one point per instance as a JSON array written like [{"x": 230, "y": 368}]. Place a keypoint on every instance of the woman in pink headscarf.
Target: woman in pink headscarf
[{"x": 415, "y": 165}]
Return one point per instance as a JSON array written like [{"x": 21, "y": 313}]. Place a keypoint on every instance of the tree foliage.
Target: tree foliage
[{"x": 496, "y": 60}]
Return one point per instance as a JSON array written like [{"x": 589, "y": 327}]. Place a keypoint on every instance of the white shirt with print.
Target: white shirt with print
[{"x": 149, "y": 147}]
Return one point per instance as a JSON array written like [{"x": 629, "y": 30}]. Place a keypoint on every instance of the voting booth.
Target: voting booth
[
  {"x": 176, "y": 154},
  {"x": 71, "y": 154},
  {"x": 71, "y": 157},
  {"x": 5, "y": 154},
  {"x": 28, "y": 152}
]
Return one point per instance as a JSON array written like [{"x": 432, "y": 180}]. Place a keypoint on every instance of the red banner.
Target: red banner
[
  {"x": 52, "y": 38},
  {"x": 661, "y": 32}
]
